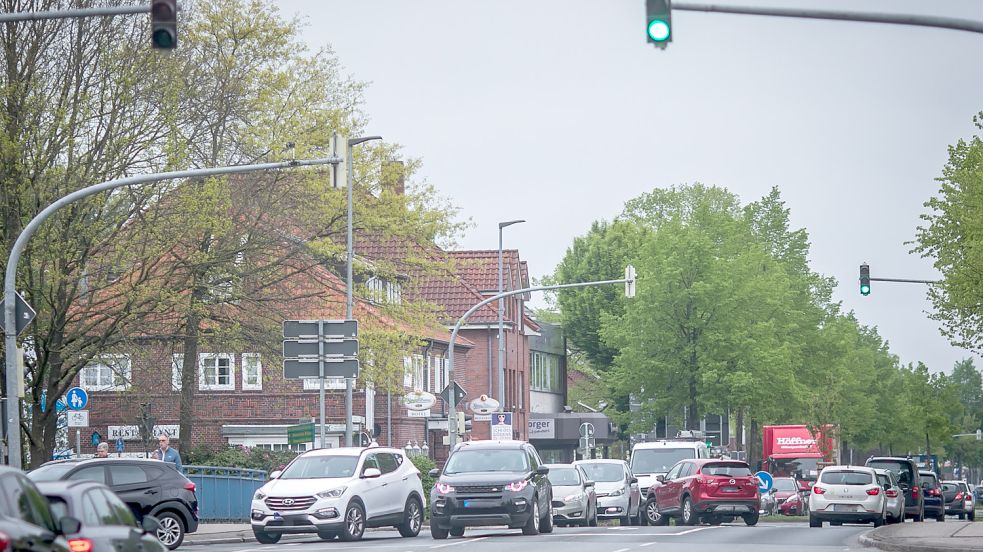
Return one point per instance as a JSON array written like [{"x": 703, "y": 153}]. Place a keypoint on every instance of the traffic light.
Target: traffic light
[
  {"x": 864, "y": 279},
  {"x": 163, "y": 24},
  {"x": 659, "y": 18}
]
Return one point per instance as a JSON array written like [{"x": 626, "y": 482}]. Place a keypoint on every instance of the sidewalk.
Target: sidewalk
[{"x": 929, "y": 536}]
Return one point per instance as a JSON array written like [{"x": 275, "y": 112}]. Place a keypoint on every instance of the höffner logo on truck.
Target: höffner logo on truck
[{"x": 795, "y": 443}]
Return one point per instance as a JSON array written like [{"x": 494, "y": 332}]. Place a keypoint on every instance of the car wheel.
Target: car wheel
[
  {"x": 354, "y": 524},
  {"x": 750, "y": 519},
  {"x": 436, "y": 532},
  {"x": 412, "y": 518},
  {"x": 815, "y": 522},
  {"x": 962, "y": 515},
  {"x": 971, "y": 515},
  {"x": 687, "y": 516},
  {"x": 263, "y": 537},
  {"x": 878, "y": 521},
  {"x": 940, "y": 516},
  {"x": 327, "y": 535},
  {"x": 653, "y": 515},
  {"x": 546, "y": 522},
  {"x": 457, "y": 531},
  {"x": 593, "y": 518},
  {"x": 713, "y": 520},
  {"x": 171, "y": 530},
  {"x": 531, "y": 527},
  {"x": 920, "y": 516},
  {"x": 624, "y": 521}
]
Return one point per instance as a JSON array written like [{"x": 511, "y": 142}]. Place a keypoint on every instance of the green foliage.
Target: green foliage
[
  {"x": 239, "y": 457},
  {"x": 425, "y": 464}
]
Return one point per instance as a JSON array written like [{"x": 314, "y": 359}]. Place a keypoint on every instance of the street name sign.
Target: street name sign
[{"x": 301, "y": 433}]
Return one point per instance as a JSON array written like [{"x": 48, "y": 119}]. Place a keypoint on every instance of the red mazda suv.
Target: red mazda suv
[{"x": 703, "y": 489}]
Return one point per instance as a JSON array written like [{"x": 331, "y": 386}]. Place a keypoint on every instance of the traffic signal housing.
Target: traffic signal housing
[
  {"x": 864, "y": 279},
  {"x": 659, "y": 22},
  {"x": 163, "y": 24}
]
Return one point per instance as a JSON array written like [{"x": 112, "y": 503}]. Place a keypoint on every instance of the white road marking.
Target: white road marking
[
  {"x": 459, "y": 542},
  {"x": 690, "y": 531},
  {"x": 621, "y": 550},
  {"x": 643, "y": 545}
]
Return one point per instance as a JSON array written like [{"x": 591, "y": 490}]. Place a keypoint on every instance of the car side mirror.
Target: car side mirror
[
  {"x": 633, "y": 481},
  {"x": 371, "y": 473},
  {"x": 434, "y": 473},
  {"x": 150, "y": 524},
  {"x": 773, "y": 491},
  {"x": 588, "y": 483},
  {"x": 69, "y": 525},
  {"x": 276, "y": 474},
  {"x": 660, "y": 478},
  {"x": 542, "y": 470}
]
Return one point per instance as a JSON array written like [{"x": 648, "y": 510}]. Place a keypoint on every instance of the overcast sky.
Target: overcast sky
[{"x": 558, "y": 112}]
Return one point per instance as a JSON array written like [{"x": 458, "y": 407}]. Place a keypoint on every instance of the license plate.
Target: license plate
[
  {"x": 844, "y": 508},
  {"x": 729, "y": 489}
]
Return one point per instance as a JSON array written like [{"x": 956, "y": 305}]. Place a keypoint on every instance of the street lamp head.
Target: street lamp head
[
  {"x": 357, "y": 141},
  {"x": 508, "y": 223}
]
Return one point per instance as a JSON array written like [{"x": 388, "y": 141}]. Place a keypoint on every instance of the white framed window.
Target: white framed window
[
  {"x": 419, "y": 373},
  {"x": 376, "y": 289},
  {"x": 252, "y": 372},
  {"x": 393, "y": 293},
  {"x": 107, "y": 373},
  {"x": 177, "y": 364},
  {"x": 216, "y": 372},
  {"x": 268, "y": 443},
  {"x": 439, "y": 367},
  {"x": 330, "y": 384},
  {"x": 408, "y": 372}
]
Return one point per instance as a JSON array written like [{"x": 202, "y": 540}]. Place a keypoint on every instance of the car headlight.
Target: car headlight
[
  {"x": 260, "y": 495},
  {"x": 617, "y": 492},
  {"x": 574, "y": 497},
  {"x": 333, "y": 493}
]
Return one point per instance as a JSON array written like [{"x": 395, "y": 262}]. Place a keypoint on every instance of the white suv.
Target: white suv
[{"x": 339, "y": 492}]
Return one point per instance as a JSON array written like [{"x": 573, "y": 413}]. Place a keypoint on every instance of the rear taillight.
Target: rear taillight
[
  {"x": 80, "y": 545},
  {"x": 816, "y": 489},
  {"x": 874, "y": 492},
  {"x": 4, "y": 542},
  {"x": 914, "y": 492},
  {"x": 190, "y": 486},
  {"x": 959, "y": 496},
  {"x": 891, "y": 493}
]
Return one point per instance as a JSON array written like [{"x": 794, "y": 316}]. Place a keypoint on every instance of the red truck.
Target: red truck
[{"x": 793, "y": 451}]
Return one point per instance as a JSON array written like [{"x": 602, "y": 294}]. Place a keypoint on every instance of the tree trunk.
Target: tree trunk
[
  {"x": 693, "y": 411},
  {"x": 754, "y": 458},
  {"x": 189, "y": 379},
  {"x": 740, "y": 429}
]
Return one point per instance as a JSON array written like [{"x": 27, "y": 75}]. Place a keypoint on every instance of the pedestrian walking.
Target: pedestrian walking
[
  {"x": 166, "y": 453},
  {"x": 102, "y": 450}
]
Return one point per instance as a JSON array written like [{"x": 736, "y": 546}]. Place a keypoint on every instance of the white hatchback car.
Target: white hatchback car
[
  {"x": 847, "y": 494},
  {"x": 339, "y": 492}
]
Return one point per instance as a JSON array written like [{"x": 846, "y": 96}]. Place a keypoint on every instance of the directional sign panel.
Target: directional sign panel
[
  {"x": 25, "y": 314},
  {"x": 307, "y": 329},
  {"x": 309, "y": 348},
  {"x": 341, "y": 347},
  {"x": 308, "y": 368},
  {"x": 458, "y": 391},
  {"x": 765, "y": 481}
]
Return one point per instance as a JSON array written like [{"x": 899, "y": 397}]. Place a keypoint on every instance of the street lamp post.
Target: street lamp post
[
  {"x": 501, "y": 315},
  {"x": 348, "y": 282}
]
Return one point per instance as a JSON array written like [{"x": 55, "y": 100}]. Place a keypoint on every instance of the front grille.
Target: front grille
[
  {"x": 601, "y": 495},
  {"x": 479, "y": 489},
  {"x": 290, "y": 504}
]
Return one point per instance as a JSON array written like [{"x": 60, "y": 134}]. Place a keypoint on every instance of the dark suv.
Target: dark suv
[
  {"x": 932, "y": 491},
  {"x": 148, "y": 487},
  {"x": 906, "y": 472},
  {"x": 26, "y": 521},
  {"x": 491, "y": 483}
]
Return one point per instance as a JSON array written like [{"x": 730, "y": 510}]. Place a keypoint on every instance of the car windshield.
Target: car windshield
[
  {"x": 320, "y": 467},
  {"x": 51, "y": 472},
  {"x": 487, "y": 460},
  {"x": 727, "y": 469},
  {"x": 785, "y": 484},
  {"x": 602, "y": 471},
  {"x": 564, "y": 477},
  {"x": 928, "y": 480},
  {"x": 660, "y": 460},
  {"x": 846, "y": 478},
  {"x": 902, "y": 470}
]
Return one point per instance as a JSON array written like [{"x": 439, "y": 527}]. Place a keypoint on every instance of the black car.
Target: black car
[
  {"x": 906, "y": 472},
  {"x": 491, "y": 483},
  {"x": 959, "y": 500},
  {"x": 26, "y": 520},
  {"x": 932, "y": 490},
  {"x": 107, "y": 523},
  {"x": 148, "y": 487}
]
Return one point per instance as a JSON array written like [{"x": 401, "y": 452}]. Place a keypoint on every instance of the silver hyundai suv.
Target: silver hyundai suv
[{"x": 339, "y": 492}]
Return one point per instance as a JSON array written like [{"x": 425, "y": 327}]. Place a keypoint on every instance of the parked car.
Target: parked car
[
  {"x": 893, "y": 494},
  {"x": 708, "y": 490},
  {"x": 847, "y": 494},
  {"x": 906, "y": 472},
  {"x": 932, "y": 491},
  {"x": 795, "y": 505},
  {"x": 107, "y": 522},
  {"x": 574, "y": 500},
  {"x": 785, "y": 488},
  {"x": 148, "y": 487},
  {"x": 26, "y": 520},
  {"x": 959, "y": 499},
  {"x": 652, "y": 458},
  {"x": 491, "y": 483},
  {"x": 338, "y": 493},
  {"x": 618, "y": 494}
]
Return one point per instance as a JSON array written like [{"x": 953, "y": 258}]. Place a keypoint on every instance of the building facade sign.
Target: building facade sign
[
  {"x": 543, "y": 428},
  {"x": 132, "y": 432}
]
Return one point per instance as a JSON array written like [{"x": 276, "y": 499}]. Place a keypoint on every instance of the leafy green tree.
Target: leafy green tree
[{"x": 951, "y": 237}]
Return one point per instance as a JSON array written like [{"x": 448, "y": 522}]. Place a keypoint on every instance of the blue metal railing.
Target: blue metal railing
[{"x": 224, "y": 494}]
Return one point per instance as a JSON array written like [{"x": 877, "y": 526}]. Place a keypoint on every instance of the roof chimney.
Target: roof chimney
[{"x": 396, "y": 181}]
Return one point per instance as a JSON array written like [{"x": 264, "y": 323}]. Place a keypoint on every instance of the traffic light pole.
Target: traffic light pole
[
  {"x": 69, "y": 14},
  {"x": 904, "y": 280},
  {"x": 451, "y": 406},
  {"x": 12, "y": 426},
  {"x": 840, "y": 15}
]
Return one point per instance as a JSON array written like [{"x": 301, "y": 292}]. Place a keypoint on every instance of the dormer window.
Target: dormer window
[{"x": 381, "y": 290}]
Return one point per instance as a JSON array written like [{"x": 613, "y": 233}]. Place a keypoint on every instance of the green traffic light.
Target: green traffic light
[
  {"x": 864, "y": 290},
  {"x": 658, "y": 30}
]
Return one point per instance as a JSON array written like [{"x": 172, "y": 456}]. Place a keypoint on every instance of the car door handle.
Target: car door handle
[
  {"x": 150, "y": 491},
  {"x": 405, "y": 477}
]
